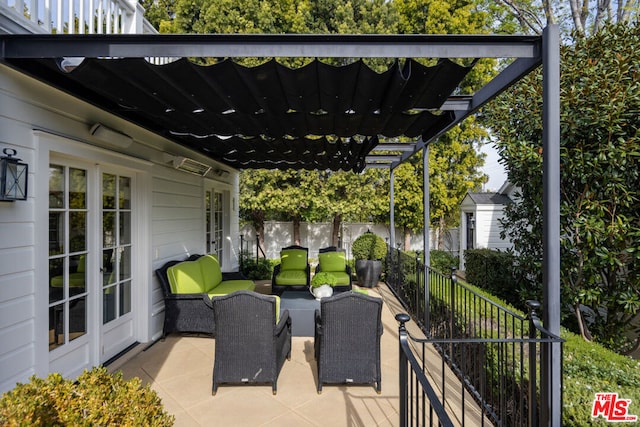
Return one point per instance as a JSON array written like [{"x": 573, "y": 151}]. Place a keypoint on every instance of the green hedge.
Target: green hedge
[
  {"x": 493, "y": 271},
  {"x": 442, "y": 261},
  {"x": 589, "y": 368}
]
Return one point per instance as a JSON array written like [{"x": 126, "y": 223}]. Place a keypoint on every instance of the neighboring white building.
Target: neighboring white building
[
  {"x": 480, "y": 214},
  {"x": 104, "y": 210}
]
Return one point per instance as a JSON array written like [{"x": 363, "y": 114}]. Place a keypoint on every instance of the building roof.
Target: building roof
[{"x": 489, "y": 198}]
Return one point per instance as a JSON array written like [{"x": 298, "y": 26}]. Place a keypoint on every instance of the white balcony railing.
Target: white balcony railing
[{"x": 73, "y": 17}]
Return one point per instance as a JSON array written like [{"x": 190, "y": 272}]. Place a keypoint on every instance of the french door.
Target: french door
[
  {"x": 214, "y": 223},
  {"x": 91, "y": 310}
]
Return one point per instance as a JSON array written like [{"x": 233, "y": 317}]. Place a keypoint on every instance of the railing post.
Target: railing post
[
  {"x": 534, "y": 320},
  {"x": 257, "y": 246},
  {"x": 452, "y": 305},
  {"x": 402, "y": 318},
  {"x": 241, "y": 250}
]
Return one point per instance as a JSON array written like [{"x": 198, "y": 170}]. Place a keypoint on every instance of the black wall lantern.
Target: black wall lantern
[{"x": 14, "y": 175}]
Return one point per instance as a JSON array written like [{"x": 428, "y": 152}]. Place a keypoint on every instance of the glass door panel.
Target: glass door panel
[
  {"x": 68, "y": 254},
  {"x": 116, "y": 246}
]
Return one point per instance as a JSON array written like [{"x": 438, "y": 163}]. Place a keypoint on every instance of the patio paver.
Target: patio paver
[{"x": 179, "y": 369}]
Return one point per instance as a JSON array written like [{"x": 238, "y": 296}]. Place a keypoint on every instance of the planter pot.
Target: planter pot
[
  {"x": 368, "y": 272},
  {"x": 323, "y": 291}
]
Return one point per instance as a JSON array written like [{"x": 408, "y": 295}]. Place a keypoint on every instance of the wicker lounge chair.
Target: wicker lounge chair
[
  {"x": 250, "y": 346},
  {"x": 347, "y": 340}
]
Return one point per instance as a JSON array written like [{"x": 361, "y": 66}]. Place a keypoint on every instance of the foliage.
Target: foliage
[
  {"x": 578, "y": 17},
  {"x": 588, "y": 367},
  {"x": 260, "y": 269},
  {"x": 96, "y": 398},
  {"x": 442, "y": 261},
  {"x": 493, "y": 271},
  {"x": 369, "y": 246},
  {"x": 323, "y": 278},
  {"x": 600, "y": 180}
]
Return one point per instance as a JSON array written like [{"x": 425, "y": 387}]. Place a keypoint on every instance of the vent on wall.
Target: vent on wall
[{"x": 191, "y": 166}]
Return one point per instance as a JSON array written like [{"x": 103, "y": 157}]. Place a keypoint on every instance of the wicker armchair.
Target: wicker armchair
[
  {"x": 250, "y": 346},
  {"x": 293, "y": 273},
  {"x": 347, "y": 340},
  {"x": 333, "y": 260}
]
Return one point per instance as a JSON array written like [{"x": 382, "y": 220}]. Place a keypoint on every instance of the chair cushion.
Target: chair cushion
[
  {"x": 186, "y": 278},
  {"x": 293, "y": 259},
  {"x": 227, "y": 286},
  {"x": 332, "y": 261},
  {"x": 211, "y": 272},
  {"x": 292, "y": 277},
  {"x": 342, "y": 278}
]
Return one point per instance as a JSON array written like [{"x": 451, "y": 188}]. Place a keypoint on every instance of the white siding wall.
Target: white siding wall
[
  {"x": 488, "y": 228},
  {"x": 173, "y": 203}
]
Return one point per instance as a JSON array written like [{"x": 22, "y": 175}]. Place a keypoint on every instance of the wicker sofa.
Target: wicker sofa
[{"x": 188, "y": 287}]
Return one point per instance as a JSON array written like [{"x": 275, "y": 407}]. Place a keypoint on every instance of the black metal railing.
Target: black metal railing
[
  {"x": 490, "y": 356},
  {"x": 419, "y": 402}
]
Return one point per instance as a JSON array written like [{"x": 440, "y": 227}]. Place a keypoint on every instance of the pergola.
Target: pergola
[{"x": 315, "y": 117}]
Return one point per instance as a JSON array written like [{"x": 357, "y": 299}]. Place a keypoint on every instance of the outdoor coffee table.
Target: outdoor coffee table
[{"x": 302, "y": 306}]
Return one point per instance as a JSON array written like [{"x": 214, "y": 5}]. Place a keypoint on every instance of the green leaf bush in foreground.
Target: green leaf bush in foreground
[
  {"x": 95, "y": 398},
  {"x": 590, "y": 368}
]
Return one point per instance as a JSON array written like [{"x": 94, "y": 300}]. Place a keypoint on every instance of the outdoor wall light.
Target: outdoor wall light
[{"x": 14, "y": 175}]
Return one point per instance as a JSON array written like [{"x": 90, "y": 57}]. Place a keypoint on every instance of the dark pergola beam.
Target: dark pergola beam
[
  {"x": 269, "y": 45},
  {"x": 510, "y": 75}
]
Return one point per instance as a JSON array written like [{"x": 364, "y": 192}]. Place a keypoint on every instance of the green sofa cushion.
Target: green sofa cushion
[
  {"x": 293, "y": 259},
  {"x": 227, "y": 286},
  {"x": 211, "y": 272},
  {"x": 186, "y": 278},
  {"x": 342, "y": 278},
  {"x": 332, "y": 261},
  {"x": 291, "y": 277}
]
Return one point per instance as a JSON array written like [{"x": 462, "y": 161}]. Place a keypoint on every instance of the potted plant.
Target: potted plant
[
  {"x": 368, "y": 250},
  {"x": 322, "y": 285}
]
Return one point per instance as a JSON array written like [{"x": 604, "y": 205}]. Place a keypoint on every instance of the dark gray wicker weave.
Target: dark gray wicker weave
[
  {"x": 187, "y": 312},
  {"x": 250, "y": 346},
  {"x": 347, "y": 340}
]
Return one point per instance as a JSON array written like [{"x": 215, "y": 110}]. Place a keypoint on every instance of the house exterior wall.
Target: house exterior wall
[
  {"x": 486, "y": 230},
  {"x": 38, "y": 122}
]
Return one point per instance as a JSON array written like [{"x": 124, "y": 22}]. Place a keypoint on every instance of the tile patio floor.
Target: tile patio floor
[{"x": 179, "y": 369}]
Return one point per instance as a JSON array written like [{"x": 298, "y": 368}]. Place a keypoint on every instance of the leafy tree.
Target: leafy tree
[
  {"x": 454, "y": 163},
  {"x": 581, "y": 17},
  {"x": 600, "y": 179}
]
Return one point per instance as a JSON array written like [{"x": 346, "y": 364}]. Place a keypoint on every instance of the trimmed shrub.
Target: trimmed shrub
[
  {"x": 369, "y": 246},
  {"x": 442, "y": 261},
  {"x": 95, "y": 398},
  {"x": 260, "y": 269},
  {"x": 493, "y": 271}
]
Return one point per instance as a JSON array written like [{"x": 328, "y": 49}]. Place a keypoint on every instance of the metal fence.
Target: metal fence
[{"x": 490, "y": 356}]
